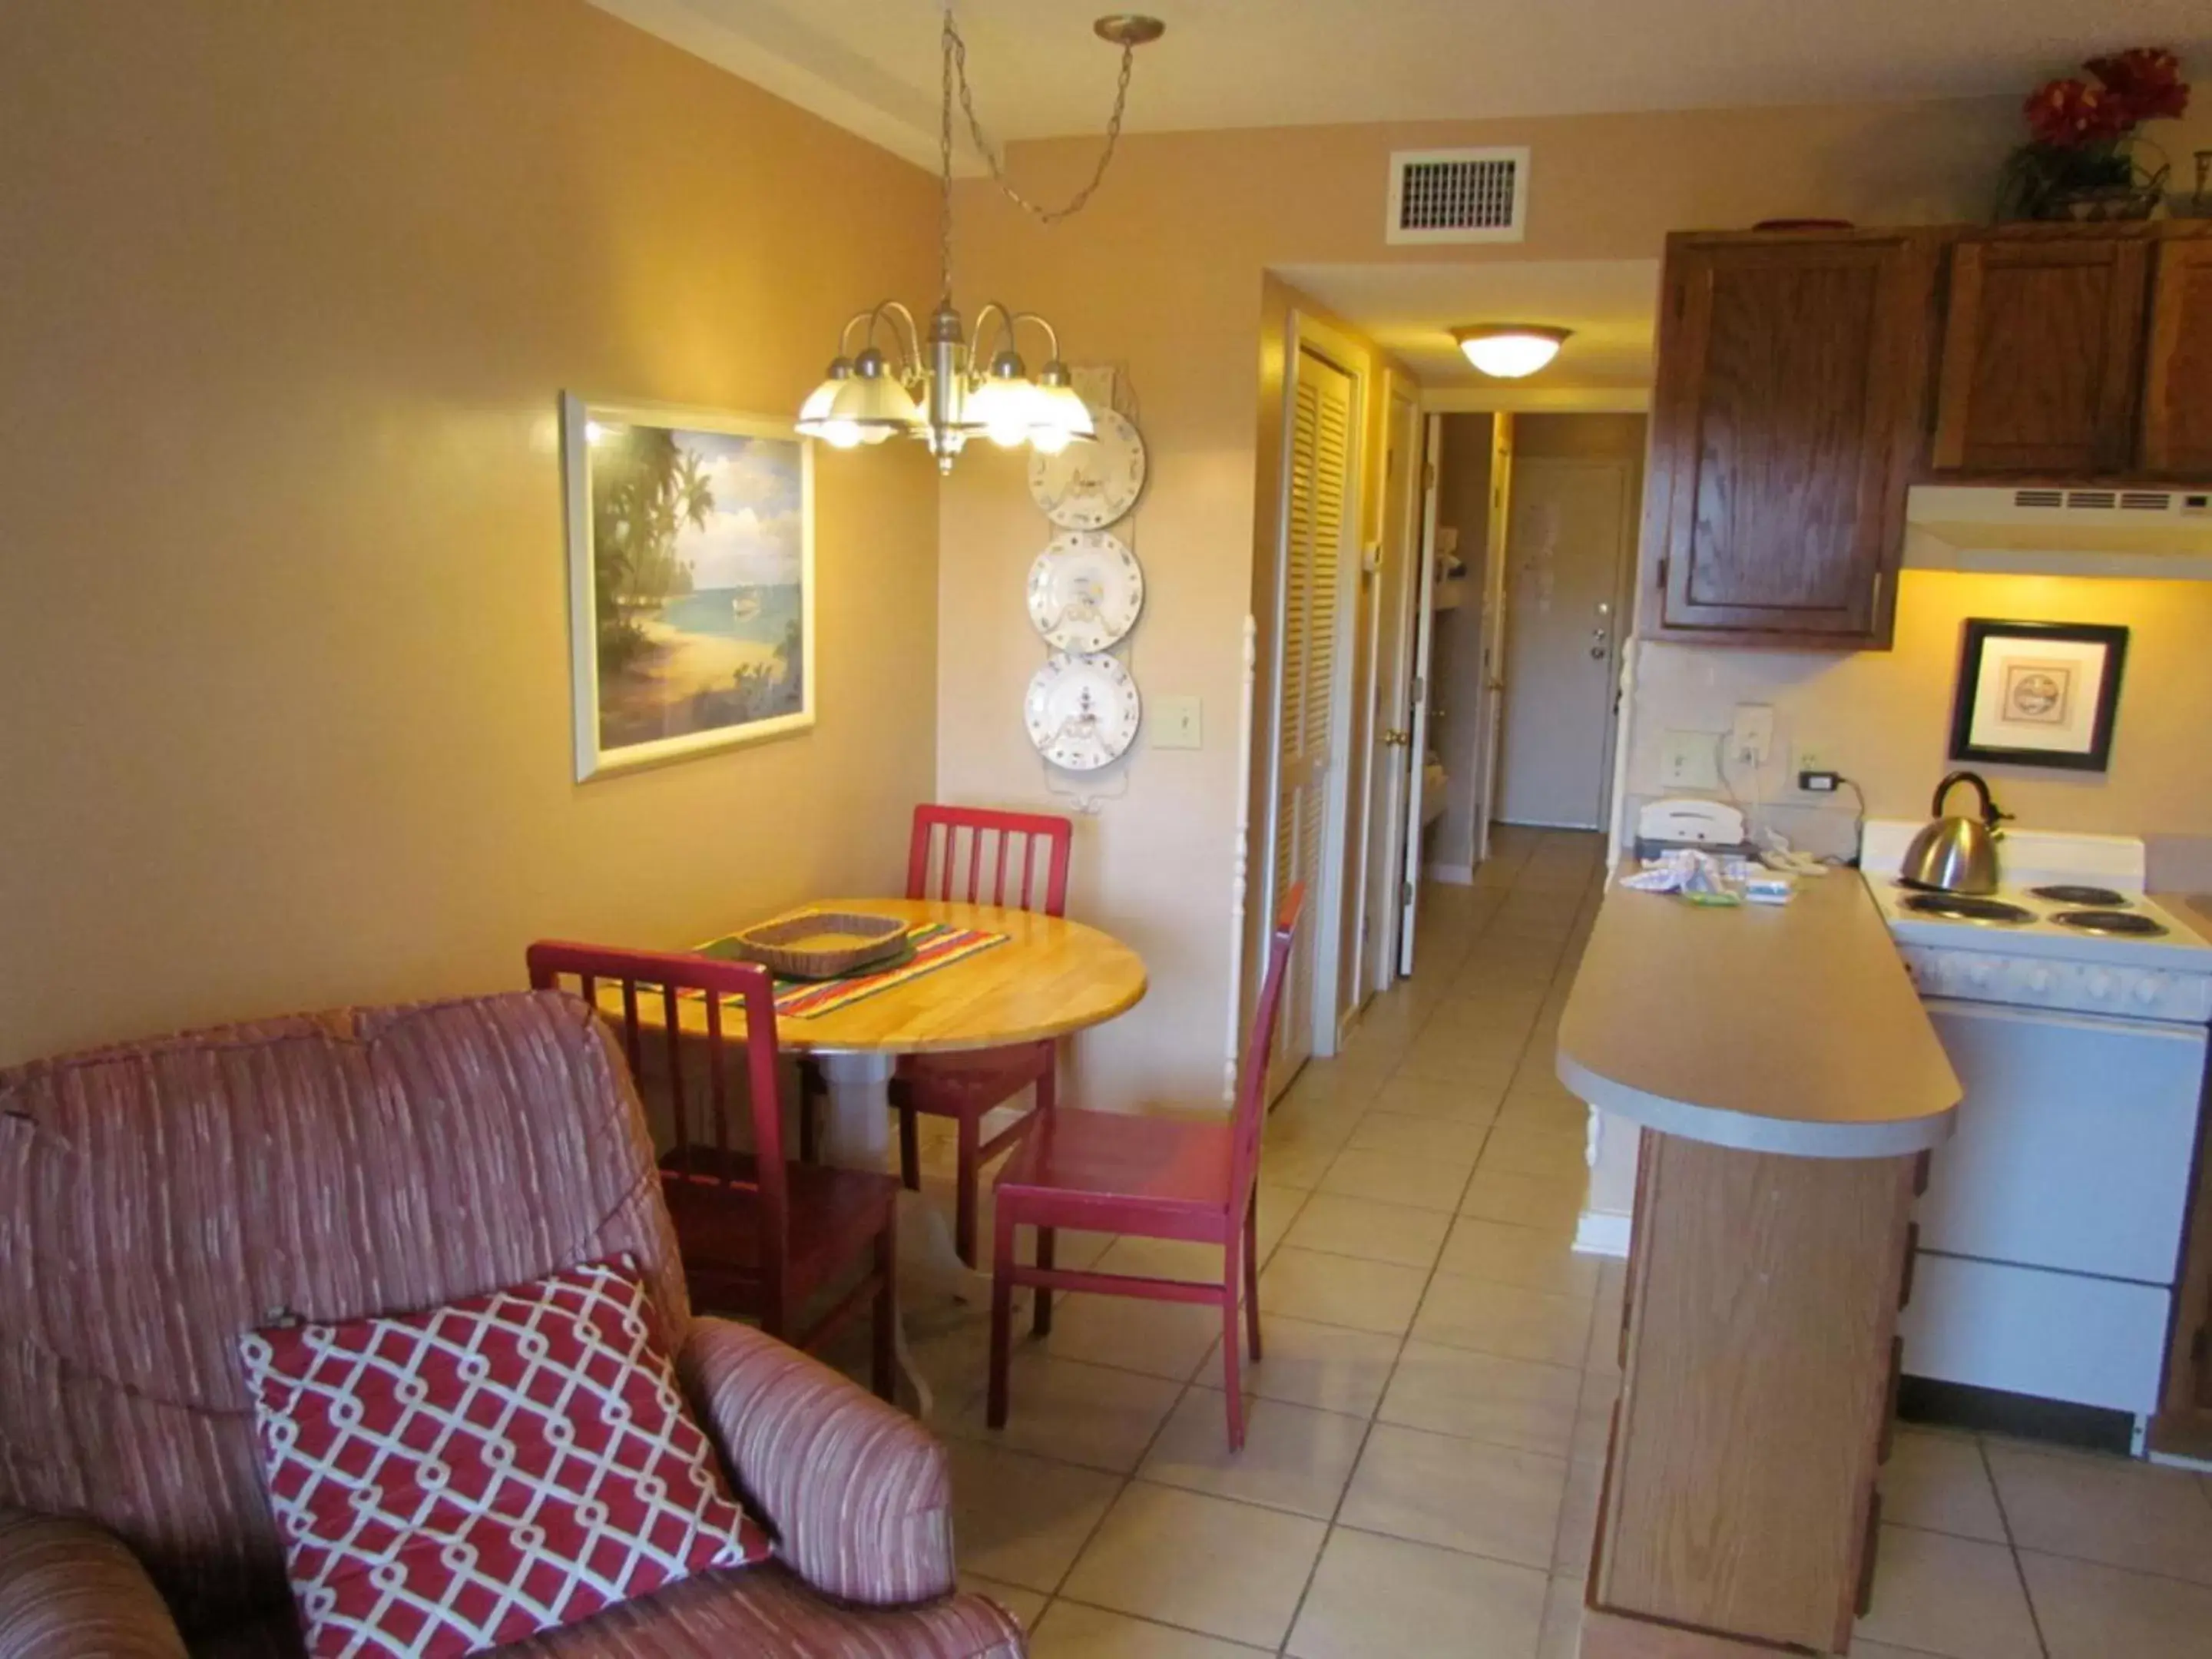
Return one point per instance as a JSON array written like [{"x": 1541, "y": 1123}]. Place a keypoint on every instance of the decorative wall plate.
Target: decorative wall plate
[
  {"x": 1087, "y": 486},
  {"x": 1083, "y": 711},
  {"x": 1086, "y": 590}
]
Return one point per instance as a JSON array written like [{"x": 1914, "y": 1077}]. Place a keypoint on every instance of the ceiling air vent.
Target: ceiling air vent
[
  {"x": 2038, "y": 498},
  {"x": 2146, "y": 500},
  {"x": 2098, "y": 499},
  {"x": 1458, "y": 195}
]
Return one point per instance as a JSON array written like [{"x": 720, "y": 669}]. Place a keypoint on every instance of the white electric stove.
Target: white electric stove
[
  {"x": 2073, "y": 1009},
  {"x": 2071, "y": 930}
]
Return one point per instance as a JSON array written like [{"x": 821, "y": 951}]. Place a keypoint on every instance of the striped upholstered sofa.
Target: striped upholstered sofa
[{"x": 158, "y": 1198}]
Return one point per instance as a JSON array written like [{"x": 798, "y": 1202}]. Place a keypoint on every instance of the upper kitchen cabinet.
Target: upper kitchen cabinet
[
  {"x": 2176, "y": 410},
  {"x": 1786, "y": 420},
  {"x": 2043, "y": 339}
]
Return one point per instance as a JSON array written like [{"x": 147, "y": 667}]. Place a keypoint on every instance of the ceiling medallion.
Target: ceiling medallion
[
  {"x": 1507, "y": 351},
  {"x": 943, "y": 383}
]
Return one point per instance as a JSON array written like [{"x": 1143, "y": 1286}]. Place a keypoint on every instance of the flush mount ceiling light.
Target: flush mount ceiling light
[
  {"x": 944, "y": 385},
  {"x": 1509, "y": 350}
]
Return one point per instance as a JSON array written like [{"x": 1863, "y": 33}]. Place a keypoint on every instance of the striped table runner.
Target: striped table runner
[{"x": 935, "y": 945}]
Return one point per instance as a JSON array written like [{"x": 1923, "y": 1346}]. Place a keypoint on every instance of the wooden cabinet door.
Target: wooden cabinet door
[
  {"x": 2042, "y": 355},
  {"x": 1785, "y": 420},
  {"x": 2176, "y": 412}
]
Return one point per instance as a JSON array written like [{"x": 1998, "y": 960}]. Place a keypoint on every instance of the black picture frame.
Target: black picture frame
[{"x": 1979, "y": 634}]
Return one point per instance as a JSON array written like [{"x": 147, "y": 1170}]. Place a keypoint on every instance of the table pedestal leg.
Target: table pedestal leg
[{"x": 857, "y": 1136}]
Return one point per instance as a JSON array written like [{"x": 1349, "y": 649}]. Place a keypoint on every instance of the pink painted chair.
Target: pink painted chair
[
  {"x": 1157, "y": 1177},
  {"x": 758, "y": 1236},
  {"x": 972, "y": 855}
]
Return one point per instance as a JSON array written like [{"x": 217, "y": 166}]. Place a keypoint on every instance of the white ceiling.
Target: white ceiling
[
  {"x": 872, "y": 65},
  {"x": 1612, "y": 306}
]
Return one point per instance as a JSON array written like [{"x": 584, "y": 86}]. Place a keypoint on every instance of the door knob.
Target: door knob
[
  {"x": 1597, "y": 653},
  {"x": 1397, "y": 739}
]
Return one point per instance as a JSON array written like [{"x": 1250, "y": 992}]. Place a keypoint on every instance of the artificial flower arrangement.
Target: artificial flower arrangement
[{"x": 2083, "y": 159}]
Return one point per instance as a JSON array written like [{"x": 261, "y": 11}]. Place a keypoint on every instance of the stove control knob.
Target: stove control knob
[
  {"x": 1978, "y": 974},
  {"x": 2147, "y": 989},
  {"x": 2039, "y": 980},
  {"x": 2100, "y": 983}
]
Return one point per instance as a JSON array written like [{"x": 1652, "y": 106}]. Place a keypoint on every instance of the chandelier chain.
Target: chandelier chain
[
  {"x": 955, "y": 69},
  {"x": 950, "y": 43}
]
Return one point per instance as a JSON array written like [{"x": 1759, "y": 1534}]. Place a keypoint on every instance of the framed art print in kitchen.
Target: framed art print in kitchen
[
  {"x": 2037, "y": 694},
  {"x": 691, "y": 582}
]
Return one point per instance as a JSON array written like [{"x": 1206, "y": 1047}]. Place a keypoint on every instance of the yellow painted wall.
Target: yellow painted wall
[
  {"x": 287, "y": 294},
  {"x": 1163, "y": 275},
  {"x": 1884, "y": 717}
]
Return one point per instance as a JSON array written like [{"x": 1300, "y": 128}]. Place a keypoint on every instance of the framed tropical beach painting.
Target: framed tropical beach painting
[{"x": 691, "y": 582}]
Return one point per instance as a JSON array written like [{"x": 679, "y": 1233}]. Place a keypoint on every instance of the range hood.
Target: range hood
[{"x": 2060, "y": 531}]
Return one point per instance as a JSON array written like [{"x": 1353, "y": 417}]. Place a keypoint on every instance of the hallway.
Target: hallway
[
  {"x": 1429, "y": 1424},
  {"x": 1424, "y": 1442}
]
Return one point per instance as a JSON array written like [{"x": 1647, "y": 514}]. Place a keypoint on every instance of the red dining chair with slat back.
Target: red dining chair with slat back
[
  {"x": 758, "y": 1236},
  {"x": 975, "y": 855},
  {"x": 1195, "y": 1180}
]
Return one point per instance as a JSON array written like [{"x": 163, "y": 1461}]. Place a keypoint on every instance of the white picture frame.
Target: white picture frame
[{"x": 682, "y": 638}]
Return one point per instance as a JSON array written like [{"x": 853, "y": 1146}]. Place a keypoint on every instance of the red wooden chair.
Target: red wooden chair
[
  {"x": 1159, "y": 1177},
  {"x": 758, "y": 1236},
  {"x": 973, "y": 856}
]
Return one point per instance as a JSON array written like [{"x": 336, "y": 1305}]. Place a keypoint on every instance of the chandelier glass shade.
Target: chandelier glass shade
[
  {"x": 941, "y": 383},
  {"x": 1510, "y": 351}
]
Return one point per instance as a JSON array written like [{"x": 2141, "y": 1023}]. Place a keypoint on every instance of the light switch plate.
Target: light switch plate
[{"x": 1174, "y": 722}]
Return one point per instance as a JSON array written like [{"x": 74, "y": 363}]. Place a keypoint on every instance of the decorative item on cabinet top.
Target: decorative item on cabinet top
[
  {"x": 1082, "y": 710},
  {"x": 1090, "y": 486},
  {"x": 1086, "y": 590},
  {"x": 2084, "y": 160}
]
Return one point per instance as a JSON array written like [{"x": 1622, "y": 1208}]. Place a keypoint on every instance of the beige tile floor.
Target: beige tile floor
[{"x": 1428, "y": 1427}]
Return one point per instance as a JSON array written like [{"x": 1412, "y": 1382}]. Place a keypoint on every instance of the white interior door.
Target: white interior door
[
  {"x": 1566, "y": 550},
  {"x": 1490, "y": 716},
  {"x": 1319, "y": 456},
  {"x": 1417, "y": 694}
]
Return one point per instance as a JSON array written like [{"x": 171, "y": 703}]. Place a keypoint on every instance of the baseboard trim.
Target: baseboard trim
[
  {"x": 1602, "y": 1232},
  {"x": 1458, "y": 875}
]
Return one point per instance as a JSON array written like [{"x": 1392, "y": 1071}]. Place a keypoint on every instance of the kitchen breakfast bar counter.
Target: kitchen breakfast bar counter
[{"x": 1787, "y": 1083}]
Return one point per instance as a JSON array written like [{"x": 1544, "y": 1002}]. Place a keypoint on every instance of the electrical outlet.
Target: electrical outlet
[
  {"x": 1174, "y": 722},
  {"x": 1751, "y": 740},
  {"x": 1689, "y": 760},
  {"x": 1811, "y": 759}
]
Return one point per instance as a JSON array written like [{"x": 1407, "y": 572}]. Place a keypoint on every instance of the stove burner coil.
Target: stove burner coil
[
  {"x": 1959, "y": 907},
  {"x": 2099, "y": 898},
  {"x": 2122, "y": 923}
]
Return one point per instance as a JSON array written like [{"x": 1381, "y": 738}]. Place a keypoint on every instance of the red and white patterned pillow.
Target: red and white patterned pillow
[{"x": 449, "y": 1480}]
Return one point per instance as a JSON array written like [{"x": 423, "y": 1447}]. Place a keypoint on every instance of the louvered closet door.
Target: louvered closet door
[{"x": 1321, "y": 447}]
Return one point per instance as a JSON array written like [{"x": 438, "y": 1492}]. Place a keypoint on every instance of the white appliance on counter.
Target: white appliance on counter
[{"x": 2073, "y": 1010}]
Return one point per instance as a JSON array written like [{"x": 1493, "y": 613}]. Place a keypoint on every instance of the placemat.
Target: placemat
[{"x": 930, "y": 945}]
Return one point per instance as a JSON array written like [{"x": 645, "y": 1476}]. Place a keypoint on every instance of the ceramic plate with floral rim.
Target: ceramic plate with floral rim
[
  {"x": 1082, "y": 711},
  {"x": 1086, "y": 590},
  {"x": 1088, "y": 486}
]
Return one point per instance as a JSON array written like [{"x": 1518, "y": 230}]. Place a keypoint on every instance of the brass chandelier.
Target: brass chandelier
[{"x": 944, "y": 385}]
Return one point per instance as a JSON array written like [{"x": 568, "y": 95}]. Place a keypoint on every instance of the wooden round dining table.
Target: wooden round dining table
[{"x": 1050, "y": 978}]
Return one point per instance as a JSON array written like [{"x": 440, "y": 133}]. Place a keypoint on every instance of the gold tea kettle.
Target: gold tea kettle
[{"x": 1956, "y": 854}]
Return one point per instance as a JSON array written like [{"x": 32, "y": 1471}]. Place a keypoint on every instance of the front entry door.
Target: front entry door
[{"x": 1566, "y": 553}]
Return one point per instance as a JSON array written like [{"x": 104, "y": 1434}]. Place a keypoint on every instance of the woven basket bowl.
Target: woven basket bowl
[{"x": 822, "y": 944}]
